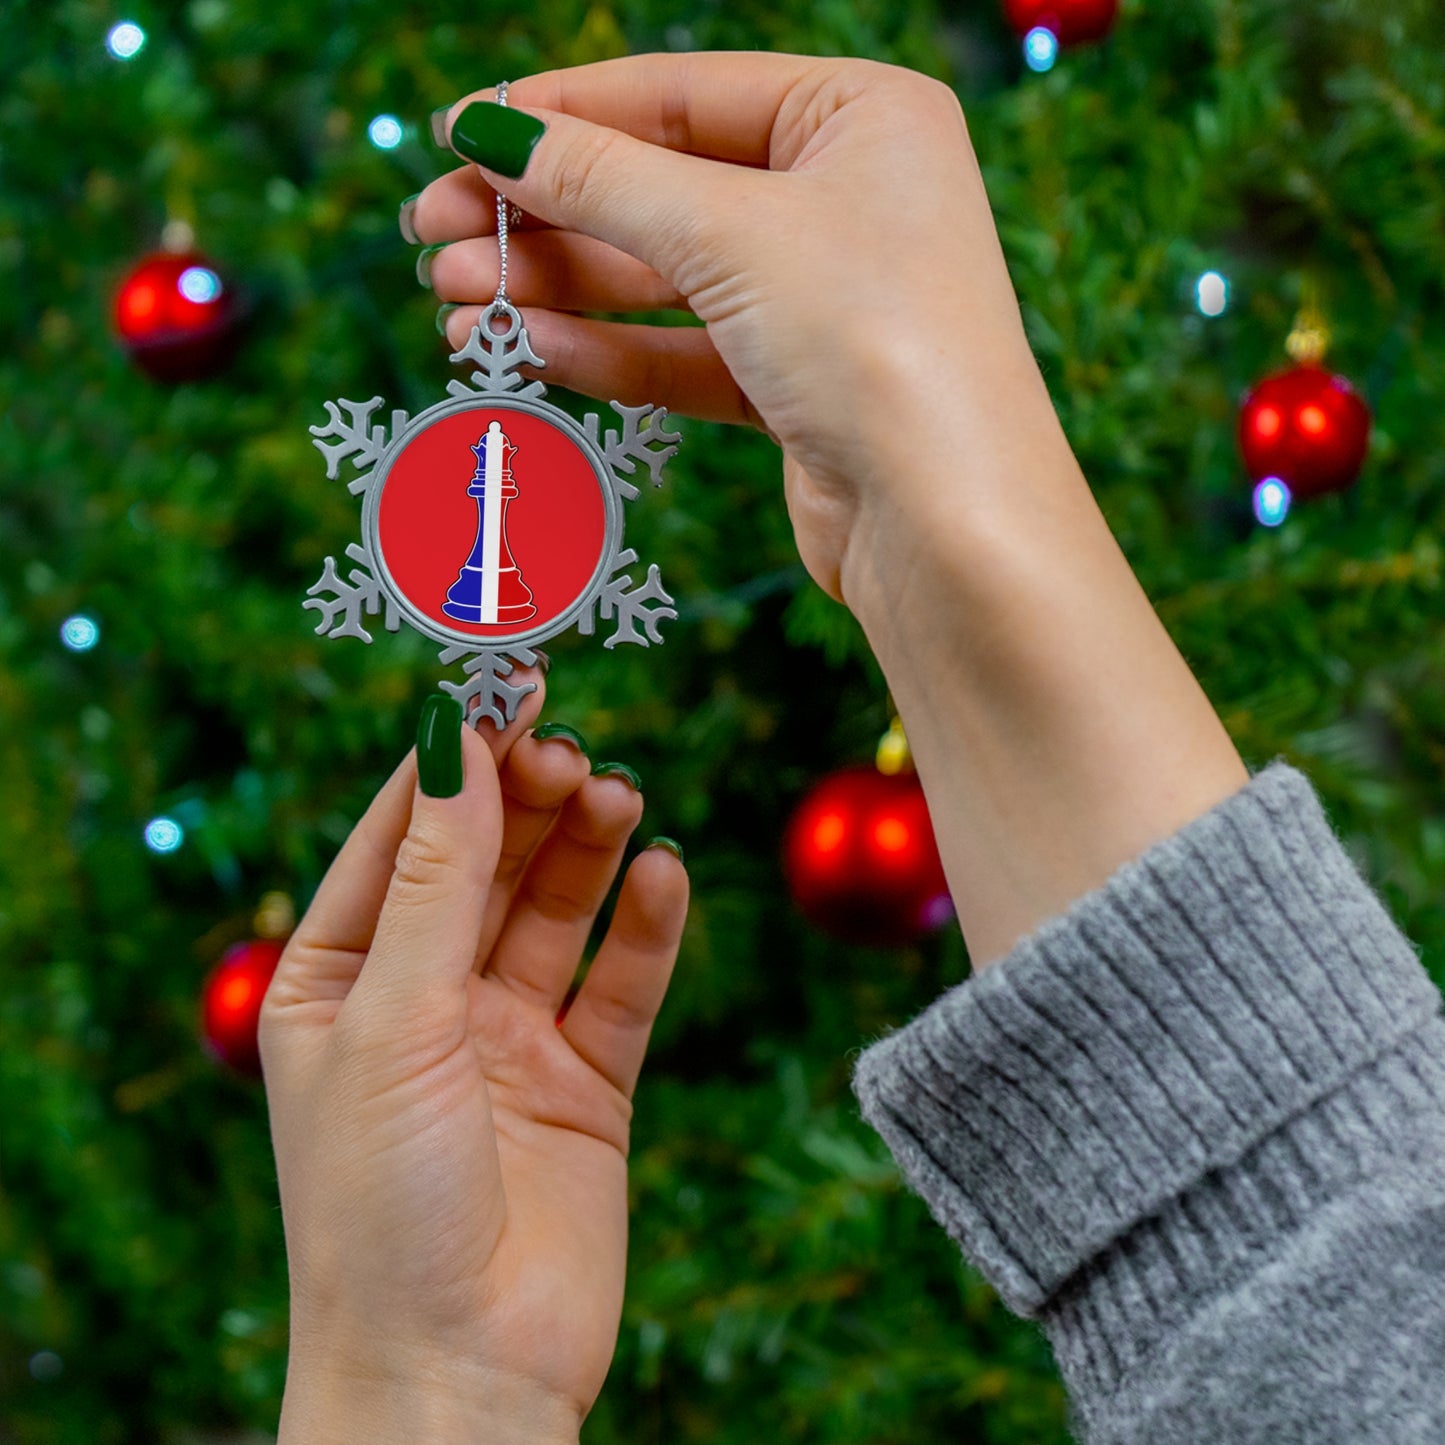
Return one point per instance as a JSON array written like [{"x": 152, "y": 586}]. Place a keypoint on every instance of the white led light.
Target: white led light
[
  {"x": 1041, "y": 48},
  {"x": 1271, "y": 501},
  {"x": 1211, "y": 293},
  {"x": 164, "y": 835},
  {"x": 385, "y": 132},
  {"x": 199, "y": 284},
  {"x": 79, "y": 633},
  {"x": 126, "y": 40}
]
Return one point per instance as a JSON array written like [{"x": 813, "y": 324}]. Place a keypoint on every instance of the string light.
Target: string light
[
  {"x": 1271, "y": 501},
  {"x": 385, "y": 132},
  {"x": 1211, "y": 294},
  {"x": 79, "y": 633},
  {"x": 126, "y": 40},
  {"x": 1041, "y": 48},
  {"x": 164, "y": 835}
]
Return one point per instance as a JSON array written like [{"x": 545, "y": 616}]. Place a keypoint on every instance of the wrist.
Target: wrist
[{"x": 336, "y": 1401}]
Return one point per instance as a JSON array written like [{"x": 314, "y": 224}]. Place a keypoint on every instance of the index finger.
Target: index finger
[{"x": 722, "y": 105}]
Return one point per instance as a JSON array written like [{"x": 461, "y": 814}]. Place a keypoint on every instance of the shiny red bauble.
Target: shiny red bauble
[
  {"x": 861, "y": 860},
  {"x": 176, "y": 317},
  {"x": 231, "y": 1003},
  {"x": 1073, "y": 22},
  {"x": 1307, "y": 427}
]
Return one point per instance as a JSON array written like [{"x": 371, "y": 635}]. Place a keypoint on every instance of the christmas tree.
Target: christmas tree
[{"x": 178, "y": 744}]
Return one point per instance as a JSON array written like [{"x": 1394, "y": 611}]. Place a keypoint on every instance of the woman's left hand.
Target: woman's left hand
[{"x": 452, "y": 1155}]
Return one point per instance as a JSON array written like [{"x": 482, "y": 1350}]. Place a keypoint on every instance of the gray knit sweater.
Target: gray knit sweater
[{"x": 1195, "y": 1126}]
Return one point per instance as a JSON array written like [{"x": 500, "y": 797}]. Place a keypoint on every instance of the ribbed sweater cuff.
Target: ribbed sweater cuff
[{"x": 1221, "y": 984}]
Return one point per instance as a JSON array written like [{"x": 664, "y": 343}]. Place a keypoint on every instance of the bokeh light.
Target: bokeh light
[
  {"x": 385, "y": 132},
  {"x": 164, "y": 835},
  {"x": 126, "y": 40},
  {"x": 1041, "y": 48},
  {"x": 1271, "y": 501},
  {"x": 1212, "y": 294},
  {"x": 79, "y": 633},
  {"x": 199, "y": 284}
]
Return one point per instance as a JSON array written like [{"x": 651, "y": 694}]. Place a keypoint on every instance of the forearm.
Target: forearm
[
  {"x": 410, "y": 1403},
  {"x": 1057, "y": 730}
]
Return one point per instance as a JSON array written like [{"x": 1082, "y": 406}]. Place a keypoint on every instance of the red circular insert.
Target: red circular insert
[{"x": 554, "y": 528}]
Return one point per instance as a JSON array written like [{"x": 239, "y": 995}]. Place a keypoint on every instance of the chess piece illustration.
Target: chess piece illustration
[{"x": 489, "y": 587}]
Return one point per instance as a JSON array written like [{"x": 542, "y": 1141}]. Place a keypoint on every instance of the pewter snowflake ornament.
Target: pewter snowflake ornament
[{"x": 492, "y": 521}]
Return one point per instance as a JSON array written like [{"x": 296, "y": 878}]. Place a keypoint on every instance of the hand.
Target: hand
[
  {"x": 826, "y": 219},
  {"x": 452, "y": 1158}
]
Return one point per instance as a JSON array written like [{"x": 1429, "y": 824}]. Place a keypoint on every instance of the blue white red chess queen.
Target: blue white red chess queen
[{"x": 493, "y": 520}]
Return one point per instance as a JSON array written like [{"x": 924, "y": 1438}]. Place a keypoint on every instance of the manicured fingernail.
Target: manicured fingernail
[
  {"x": 439, "y": 125},
  {"x": 443, "y": 312},
  {"x": 561, "y": 730},
  {"x": 496, "y": 136},
  {"x": 620, "y": 770},
  {"x": 439, "y": 747},
  {"x": 671, "y": 844},
  {"x": 423, "y": 263},
  {"x": 404, "y": 219},
  {"x": 543, "y": 661}
]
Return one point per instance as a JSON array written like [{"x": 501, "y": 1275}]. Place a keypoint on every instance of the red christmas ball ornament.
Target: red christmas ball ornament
[
  {"x": 231, "y": 1003},
  {"x": 1071, "y": 22},
  {"x": 176, "y": 317},
  {"x": 861, "y": 861},
  {"x": 1307, "y": 427}
]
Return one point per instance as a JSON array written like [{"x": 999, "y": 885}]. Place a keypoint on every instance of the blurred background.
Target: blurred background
[{"x": 1212, "y": 210}]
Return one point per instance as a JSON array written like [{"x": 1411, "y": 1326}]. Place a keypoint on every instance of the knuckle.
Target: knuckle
[
  {"x": 424, "y": 863},
  {"x": 578, "y": 170}
]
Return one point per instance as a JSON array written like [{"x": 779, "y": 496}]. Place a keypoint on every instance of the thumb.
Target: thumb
[
  {"x": 425, "y": 941},
  {"x": 656, "y": 204}
]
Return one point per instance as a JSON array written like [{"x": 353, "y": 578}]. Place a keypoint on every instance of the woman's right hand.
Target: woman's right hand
[{"x": 825, "y": 218}]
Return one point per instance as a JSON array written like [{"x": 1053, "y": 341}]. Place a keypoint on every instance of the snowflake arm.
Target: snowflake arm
[
  {"x": 630, "y": 606},
  {"x": 359, "y": 440},
  {"x": 486, "y": 693},
  {"x": 498, "y": 355},
  {"x": 362, "y": 594},
  {"x": 643, "y": 438}
]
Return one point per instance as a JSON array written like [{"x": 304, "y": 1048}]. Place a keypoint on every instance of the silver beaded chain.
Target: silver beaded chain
[{"x": 501, "y": 299}]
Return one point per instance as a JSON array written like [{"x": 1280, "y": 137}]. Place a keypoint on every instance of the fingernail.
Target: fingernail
[
  {"x": 671, "y": 844},
  {"x": 443, "y": 312},
  {"x": 561, "y": 730},
  {"x": 439, "y": 747},
  {"x": 423, "y": 263},
  {"x": 620, "y": 770},
  {"x": 543, "y": 661},
  {"x": 404, "y": 220},
  {"x": 439, "y": 125},
  {"x": 496, "y": 136}
]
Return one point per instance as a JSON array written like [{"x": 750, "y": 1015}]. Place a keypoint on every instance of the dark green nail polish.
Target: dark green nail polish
[
  {"x": 496, "y": 136},
  {"x": 620, "y": 770},
  {"x": 561, "y": 730},
  {"x": 671, "y": 844},
  {"x": 439, "y": 125},
  {"x": 443, "y": 312},
  {"x": 439, "y": 747},
  {"x": 423, "y": 263},
  {"x": 405, "y": 222}
]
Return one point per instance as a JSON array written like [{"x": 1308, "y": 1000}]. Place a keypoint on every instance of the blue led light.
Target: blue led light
[
  {"x": 1211, "y": 293},
  {"x": 164, "y": 835},
  {"x": 1041, "y": 48},
  {"x": 79, "y": 633},
  {"x": 385, "y": 132},
  {"x": 126, "y": 40},
  {"x": 199, "y": 284},
  {"x": 1271, "y": 501}
]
